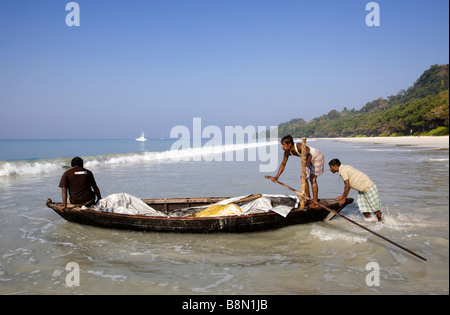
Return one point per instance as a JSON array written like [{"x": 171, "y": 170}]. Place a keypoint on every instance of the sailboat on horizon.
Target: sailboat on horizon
[{"x": 142, "y": 137}]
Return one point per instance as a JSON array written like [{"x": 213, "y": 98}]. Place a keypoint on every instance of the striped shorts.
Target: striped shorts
[{"x": 370, "y": 200}]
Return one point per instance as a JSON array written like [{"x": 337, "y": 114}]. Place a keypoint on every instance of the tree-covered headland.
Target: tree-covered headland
[{"x": 421, "y": 109}]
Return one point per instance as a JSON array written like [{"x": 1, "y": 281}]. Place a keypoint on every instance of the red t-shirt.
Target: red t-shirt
[{"x": 79, "y": 181}]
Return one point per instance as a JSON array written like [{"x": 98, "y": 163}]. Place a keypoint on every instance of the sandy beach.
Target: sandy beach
[{"x": 428, "y": 142}]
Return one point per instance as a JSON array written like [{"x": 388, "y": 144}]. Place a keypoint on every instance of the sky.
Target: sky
[{"x": 152, "y": 65}]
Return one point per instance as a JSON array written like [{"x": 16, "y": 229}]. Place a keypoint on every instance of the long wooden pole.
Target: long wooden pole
[
  {"x": 248, "y": 198},
  {"x": 303, "y": 182},
  {"x": 344, "y": 217}
]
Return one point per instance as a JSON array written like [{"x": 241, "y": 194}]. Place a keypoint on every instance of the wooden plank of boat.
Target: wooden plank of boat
[{"x": 230, "y": 224}]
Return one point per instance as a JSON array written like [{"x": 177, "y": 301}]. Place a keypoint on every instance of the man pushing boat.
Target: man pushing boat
[
  {"x": 368, "y": 196},
  {"x": 314, "y": 165}
]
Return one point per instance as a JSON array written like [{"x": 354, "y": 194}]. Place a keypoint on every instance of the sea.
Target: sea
[{"x": 41, "y": 253}]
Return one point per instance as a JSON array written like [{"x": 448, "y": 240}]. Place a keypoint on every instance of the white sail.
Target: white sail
[{"x": 142, "y": 137}]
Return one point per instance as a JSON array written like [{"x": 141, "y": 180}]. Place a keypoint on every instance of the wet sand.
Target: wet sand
[{"x": 428, "y": 142}]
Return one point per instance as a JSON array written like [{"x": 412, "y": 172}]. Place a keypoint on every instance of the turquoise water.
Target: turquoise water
[
  {"x": 27, "y": 157},
  {"x": 14, "y": 150}
]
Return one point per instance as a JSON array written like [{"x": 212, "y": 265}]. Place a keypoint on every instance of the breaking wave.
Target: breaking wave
[{"x": 206, "y": 153}]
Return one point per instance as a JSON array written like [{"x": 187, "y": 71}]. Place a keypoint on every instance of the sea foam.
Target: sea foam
[{"x": 206, "y": 153}]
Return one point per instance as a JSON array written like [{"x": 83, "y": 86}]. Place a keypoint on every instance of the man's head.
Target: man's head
[
  {"x": 77, "y": 161},
  {"x": 334, "y": 165},
  {"x": 287, "y": 142}
]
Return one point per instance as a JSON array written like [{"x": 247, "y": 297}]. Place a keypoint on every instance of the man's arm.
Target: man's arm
[
  {"x": 281, "y": 168},
  {"x": 64, "y": 198},
  {"x": 308, "y": 157},
  {"x": 97, "y": 192},
  {"x": 345, "y": 194},
  {"x": 94, "y": 186}
]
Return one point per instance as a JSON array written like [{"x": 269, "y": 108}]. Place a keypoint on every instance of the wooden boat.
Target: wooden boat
[{"x": 228, "y": 224}]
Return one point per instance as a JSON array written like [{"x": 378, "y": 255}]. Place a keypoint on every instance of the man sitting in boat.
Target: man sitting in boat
[
  {"x": 368, "y": 196},
  {"x": 78, "y": 181}
]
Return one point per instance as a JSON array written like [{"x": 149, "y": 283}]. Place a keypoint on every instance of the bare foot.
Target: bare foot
[{"x": 314, "y": 205}]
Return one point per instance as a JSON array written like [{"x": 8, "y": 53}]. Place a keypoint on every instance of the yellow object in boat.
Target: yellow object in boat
[{"x": 220, "y": 211}]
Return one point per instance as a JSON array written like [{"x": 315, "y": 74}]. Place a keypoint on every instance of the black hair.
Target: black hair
[
  {"x": 334, "y": 162},
  {"x": 77, "y": 161},
  {"x": 287, "y": 139}
]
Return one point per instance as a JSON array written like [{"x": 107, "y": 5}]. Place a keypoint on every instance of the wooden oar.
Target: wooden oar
[{"x": 344, "y": 217}]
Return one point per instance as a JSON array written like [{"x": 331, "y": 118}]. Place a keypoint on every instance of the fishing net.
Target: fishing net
[{"x": 219, "y": 211}]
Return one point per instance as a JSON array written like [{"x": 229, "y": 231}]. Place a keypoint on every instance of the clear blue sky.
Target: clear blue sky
[{"x": 155, "y": 64}]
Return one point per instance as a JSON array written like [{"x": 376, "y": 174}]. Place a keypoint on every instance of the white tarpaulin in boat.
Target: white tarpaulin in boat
[
  {"x": 126, "y": 204},
  {"x": 262, "y": 205}
]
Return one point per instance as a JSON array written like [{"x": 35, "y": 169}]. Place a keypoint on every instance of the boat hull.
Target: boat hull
[{"x": 226, "y": 224}]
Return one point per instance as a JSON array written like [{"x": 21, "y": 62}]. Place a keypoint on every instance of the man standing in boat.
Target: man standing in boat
[
  {"x": 368, "y": 196},
  {"x": 78, "y": 181},
  {"x": 314, "y": 165}
]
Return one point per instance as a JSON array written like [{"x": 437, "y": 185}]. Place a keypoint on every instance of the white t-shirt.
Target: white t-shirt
[{"x": 357, "y": 179}]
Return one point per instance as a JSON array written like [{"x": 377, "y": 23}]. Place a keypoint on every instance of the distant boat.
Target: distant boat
[{"x": 142, "y": 137}]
